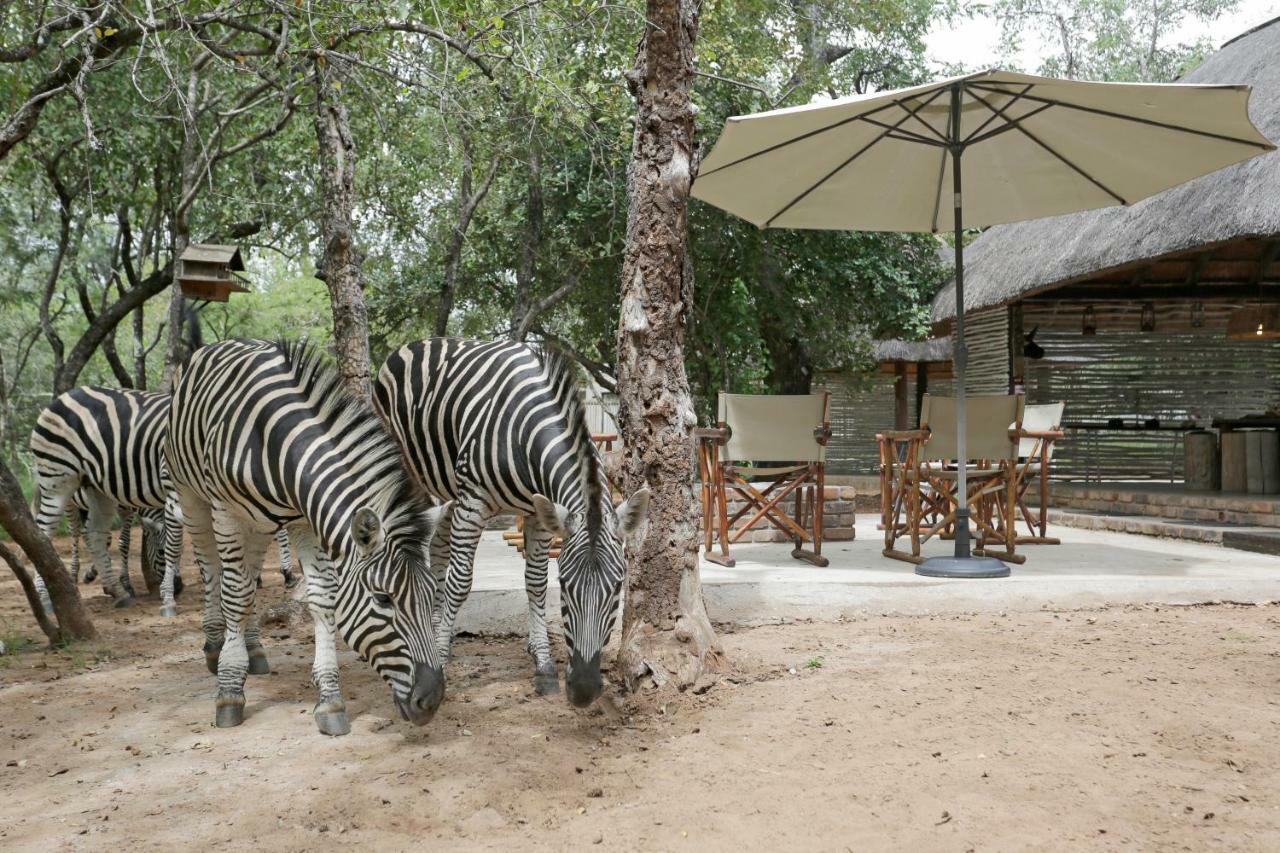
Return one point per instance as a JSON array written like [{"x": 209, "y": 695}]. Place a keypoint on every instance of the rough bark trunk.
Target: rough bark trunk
[
  {"x": 530, "y": 245},
  {"x": 342, "y": 263},
  {"x": 15, "y": 518},
  {"x": 666, "y": 635},
  {"x": 468, "y": 202},
  {"x": 47, "y": 625}
]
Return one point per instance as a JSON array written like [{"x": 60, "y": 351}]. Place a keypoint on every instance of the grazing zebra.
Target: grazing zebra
[
  {"x": 98, "y": 449},
  {"x": 262, "y": 435},
  {"x": 152, "y": 519},
  {"x": 499, "y": 427}
]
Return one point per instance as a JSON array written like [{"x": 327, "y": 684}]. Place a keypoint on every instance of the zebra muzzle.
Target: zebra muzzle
[
  {"x": 583, "y": 682},
  {"x": 426, "y": 695}
]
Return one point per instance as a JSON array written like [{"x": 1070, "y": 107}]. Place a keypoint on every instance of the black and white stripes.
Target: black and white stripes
[
  {"x": 499, "y": 427},
  {"x": 98, "y": 449},
  {"x": 261, "y": 435}
]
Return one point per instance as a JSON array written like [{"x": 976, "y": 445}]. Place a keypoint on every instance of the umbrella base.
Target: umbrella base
[{"x": 962, "y": 567}]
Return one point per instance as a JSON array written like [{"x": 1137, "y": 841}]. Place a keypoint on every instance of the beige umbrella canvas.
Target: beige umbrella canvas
[{"x": 977, "y": 150}]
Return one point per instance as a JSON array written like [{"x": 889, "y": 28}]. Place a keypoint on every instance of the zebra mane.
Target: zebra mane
[
  {"x": 343, "y": 412},
  {"x": 566, "y": 385}
]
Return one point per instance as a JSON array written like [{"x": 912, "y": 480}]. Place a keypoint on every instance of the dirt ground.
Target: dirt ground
[{"x": 1121, "y": 729}]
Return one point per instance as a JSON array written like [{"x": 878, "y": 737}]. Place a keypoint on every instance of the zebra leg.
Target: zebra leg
[
  {"x": 537, "y": 543},
  {"x": 127, "y": 517},
  {"x": 258, "y": 663},
  {"x": 197, "y": 519},
  {"x": 322, "y": 594},
  {"x": 440, "y": 564},
  {"x": 75, "y": 523},
  {"x": 55, "y": 493},
  {"x": 102, "y": 509},
  {"x": 291, "y": 577},
  {"x": 240, "y": 548},
  {"x": 468, "y": 517},
  {"x": 172, "y": 554}
]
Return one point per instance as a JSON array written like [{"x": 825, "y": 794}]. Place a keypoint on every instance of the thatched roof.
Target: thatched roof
[
  {"x": 1008, "y": 262},
  {"x": 933, "y": 349}
]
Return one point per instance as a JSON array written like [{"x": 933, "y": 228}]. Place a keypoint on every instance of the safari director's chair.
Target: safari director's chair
[
  {"x": 921, "y": 472},
  {"x": 1041, "y": 429},
  {"x": 766, "y": 452}
]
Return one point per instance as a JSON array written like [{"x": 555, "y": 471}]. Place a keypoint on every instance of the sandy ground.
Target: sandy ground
[{"x": 1138, "y": 728}]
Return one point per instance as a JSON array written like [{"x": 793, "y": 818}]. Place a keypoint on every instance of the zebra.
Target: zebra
[
  {"x": 262, "y": 435},
  {"x": 151, "y": 519},
  {"x": 97, "y": 449},
  {"x": 499, "y": 427}
]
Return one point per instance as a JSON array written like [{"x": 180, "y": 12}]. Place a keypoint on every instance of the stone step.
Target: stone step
[{"x": 1256, "y": 538}]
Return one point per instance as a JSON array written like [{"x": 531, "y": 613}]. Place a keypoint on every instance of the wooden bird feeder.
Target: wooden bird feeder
[{"x": 210, "y": 272}]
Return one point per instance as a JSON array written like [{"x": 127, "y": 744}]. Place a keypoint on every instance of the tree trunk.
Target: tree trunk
[
  {"x": 666, "y": 635},
  {"x": 342, "y": 260},
  {"x": 530, "y": 245},
  {"x": 15, "y": 518}
]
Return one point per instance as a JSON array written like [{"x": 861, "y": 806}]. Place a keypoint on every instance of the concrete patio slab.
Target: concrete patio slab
[{"x": 1091, "y": 568}]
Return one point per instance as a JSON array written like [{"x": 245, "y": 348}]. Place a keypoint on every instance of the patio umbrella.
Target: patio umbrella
[{"x": 1022, "y": 147}]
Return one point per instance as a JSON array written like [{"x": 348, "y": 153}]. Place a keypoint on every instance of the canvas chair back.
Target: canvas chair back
[
  {"x": 1040, "y": 418},
  {"x": 773, "y": 427},
  {"x": 988, "y": 419}
]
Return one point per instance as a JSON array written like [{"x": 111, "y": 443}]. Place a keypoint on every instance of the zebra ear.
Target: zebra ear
[
  {"x": 366, "y": 530},
  {"x": 553, "y": 517},
  {"x": 632, "y": 513}
]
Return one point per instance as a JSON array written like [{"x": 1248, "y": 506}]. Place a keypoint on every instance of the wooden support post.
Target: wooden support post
[{"x": 900, "y": 396}]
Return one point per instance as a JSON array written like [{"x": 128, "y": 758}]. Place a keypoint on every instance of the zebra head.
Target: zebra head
[
  {"x": 591, "y": 570},
  {"x": 389, "y": 596}
]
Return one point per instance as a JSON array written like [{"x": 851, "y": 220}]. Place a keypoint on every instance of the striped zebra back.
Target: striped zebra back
[
  {"x": 498, "y": 418},
  {"x": 108, "y": 439}
]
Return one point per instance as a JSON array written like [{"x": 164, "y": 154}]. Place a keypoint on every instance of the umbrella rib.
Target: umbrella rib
[
  {"x": 995, "y": 114},
  {"x": 1005, "y": 128},
  {"x": 910, "y": 113},
  {"x": 907, "y": 135},
  {"x": 1017, "y": 123},
  {"x": 942, "y": 171},
  {"x": 1265, "y": 146},
  {"x": 932, "y": 97}
]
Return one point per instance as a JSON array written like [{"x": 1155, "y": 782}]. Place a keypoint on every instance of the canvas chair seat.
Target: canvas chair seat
[
  {"x": 919, "y": 476},
  {"x": 752, "y": 472},
  {"x": 767, "y": 454},
  {"x": 950, "y": 473}
]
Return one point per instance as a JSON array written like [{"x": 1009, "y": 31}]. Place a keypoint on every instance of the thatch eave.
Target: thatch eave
[{"x": 1008, "y": 263}]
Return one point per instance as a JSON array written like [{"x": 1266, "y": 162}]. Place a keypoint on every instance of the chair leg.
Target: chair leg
[
  {"x": 722, "y": 519},
  {"x": 814, "y": 488}
]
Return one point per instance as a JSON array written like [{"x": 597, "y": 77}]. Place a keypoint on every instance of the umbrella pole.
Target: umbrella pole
[
  {"x": 960, "y": 354},
  {"x": 963, "y": 564}
]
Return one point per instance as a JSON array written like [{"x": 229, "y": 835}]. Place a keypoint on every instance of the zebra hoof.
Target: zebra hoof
[
  {"x": 546, "y": 683},
  {"x": 168, "y": 610},
  {"x": 331, "y": 718},
  {"x": 90, "y": 576},
  {"x": 258, "y": 663},
  {"x": 124, "y": 601},
  {"x": 290, "y": 580},
  {"x": 230, "y": 711}
]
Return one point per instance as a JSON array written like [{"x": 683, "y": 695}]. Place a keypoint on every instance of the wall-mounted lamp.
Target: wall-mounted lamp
[
  {"x": 1148, "y": 322},
  {"x": 1197, "y": 315},
  {"x": 1254, "y": 323}
]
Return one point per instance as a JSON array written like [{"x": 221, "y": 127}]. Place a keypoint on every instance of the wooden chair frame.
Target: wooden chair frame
[
  {"x": 1035, "y": 467},
  {"x": 919, "y": 500},
  {"x": 720, "y": 479}
]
